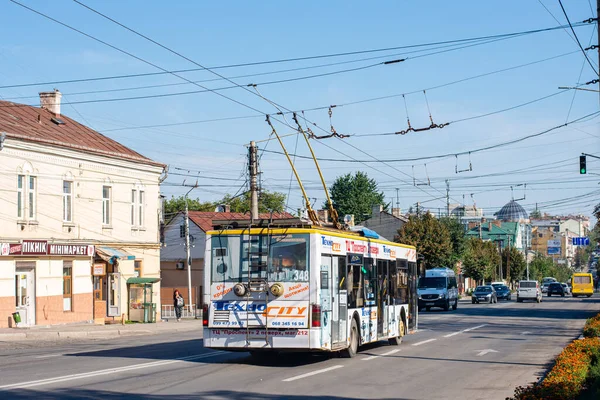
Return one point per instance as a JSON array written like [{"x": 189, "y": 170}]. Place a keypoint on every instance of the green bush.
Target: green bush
[{"x": 592, "y": 327}]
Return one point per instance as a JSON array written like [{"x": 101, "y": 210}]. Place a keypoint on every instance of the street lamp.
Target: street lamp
[{"x": 187, "y": 247}]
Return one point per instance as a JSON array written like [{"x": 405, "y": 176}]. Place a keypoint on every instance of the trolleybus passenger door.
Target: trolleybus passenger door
[
  {"x": 382, "y": 297},
  {"x": 326, "y": 301},
  {"x": 339, "y": 323}
]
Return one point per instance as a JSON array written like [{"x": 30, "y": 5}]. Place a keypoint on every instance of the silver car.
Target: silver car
[{"x": 566, "y": 288}]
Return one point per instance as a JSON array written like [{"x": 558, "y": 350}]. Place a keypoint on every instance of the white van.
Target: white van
[
  {"x": 438, "y": 288},
  {"x": 529, "y": 290}
]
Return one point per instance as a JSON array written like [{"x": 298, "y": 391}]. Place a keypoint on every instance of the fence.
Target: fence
[{"x": 168, "y": 312}]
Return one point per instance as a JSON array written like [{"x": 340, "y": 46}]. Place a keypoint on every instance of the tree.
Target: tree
[
  {"x": 430, "y": 237},
  {"x": 535, "y": 214},
  {"x": 581, "y": 257},
  {"x": 480, "y": 259},
  {"x": 355, "y": 194},
  {"x": 267, "y": 202},
  {"x": 513, "y": 260},
  {"x": 457, "y": 239},
  {"x": 176, "y": 204}
]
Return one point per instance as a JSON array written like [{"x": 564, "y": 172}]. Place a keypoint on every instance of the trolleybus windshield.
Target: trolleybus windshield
[{"x": 278, "y": 258}]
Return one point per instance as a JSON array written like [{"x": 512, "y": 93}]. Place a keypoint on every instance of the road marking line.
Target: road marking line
[
  {"x": 108, "y": 371},
  {"x": 423, "y": 342},
  {"x": 464, "y": 330},
  {"x": 319, "y": 371},
  {"x": 49, "y": 355},
  {"x": 475, "y": 327},
  {"x": 381, "y": 355}
]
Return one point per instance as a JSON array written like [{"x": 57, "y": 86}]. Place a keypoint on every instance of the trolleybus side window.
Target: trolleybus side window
[
  {"x": 399, "y": 281},
  {"x": 369, "y": 281}
]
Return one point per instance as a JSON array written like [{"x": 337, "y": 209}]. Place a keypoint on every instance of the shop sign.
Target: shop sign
[
  {"x": 43, "y": 248},
  {"x": 99, "y": 269}
]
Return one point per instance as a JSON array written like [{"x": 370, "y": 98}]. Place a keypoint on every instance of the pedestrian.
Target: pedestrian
[{"x": 178, "y": 303}]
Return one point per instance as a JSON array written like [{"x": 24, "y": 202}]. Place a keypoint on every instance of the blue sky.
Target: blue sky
[{"x": 224, "y": 33}]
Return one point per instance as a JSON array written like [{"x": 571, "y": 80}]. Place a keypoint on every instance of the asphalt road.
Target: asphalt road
[{"x": 480, "y": 351}]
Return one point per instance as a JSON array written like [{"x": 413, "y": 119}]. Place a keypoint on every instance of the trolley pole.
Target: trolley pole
[{"x": 253, "y": 169}]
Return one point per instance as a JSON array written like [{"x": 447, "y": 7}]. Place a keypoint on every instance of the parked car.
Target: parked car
[
  {"x": 485, "y": 293},
  {"x": 556, "y": 288},
  {"x": 529, "y": 290},
  {"x": 502, "y": 291},
  {"x": 545, "y": 287},
  {"x": 567, "y": 288}
]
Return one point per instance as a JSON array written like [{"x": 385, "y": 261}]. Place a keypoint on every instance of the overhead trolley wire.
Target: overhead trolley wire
[
  {"x": 247, "y": 64},
  {"x": 460, "y": 152}
]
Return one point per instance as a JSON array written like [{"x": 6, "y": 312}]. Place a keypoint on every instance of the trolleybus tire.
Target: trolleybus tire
[
  {"x": 395, "y": 341},
  {"x": 455, "y": 305},
  {"x": 353, "y": 347}
]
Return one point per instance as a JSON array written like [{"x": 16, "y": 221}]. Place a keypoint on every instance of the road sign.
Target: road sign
[
  {"x": 553, "y": 250},
  {"x": 581, "y": 241}
]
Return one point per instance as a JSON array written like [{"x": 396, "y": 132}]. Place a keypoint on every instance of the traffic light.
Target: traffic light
[{"x": 582, "y": 167}]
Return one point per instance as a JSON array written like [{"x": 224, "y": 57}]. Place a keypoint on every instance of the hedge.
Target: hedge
[{"x": 592, "y": 327}]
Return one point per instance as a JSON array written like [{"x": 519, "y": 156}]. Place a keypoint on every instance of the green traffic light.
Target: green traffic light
[{"x": 582, "y": 171}]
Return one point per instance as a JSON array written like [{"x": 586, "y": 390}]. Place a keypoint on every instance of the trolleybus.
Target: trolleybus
[{"x": 305, "y": 288}]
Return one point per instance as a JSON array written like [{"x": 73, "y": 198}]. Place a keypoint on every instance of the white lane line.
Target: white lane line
[
  {"x": 381, "y": 355},
  {"x": 319, "y": 371},
  {"x": 464, "y": 330},
  {"x": 109, "y": 371},
  {"x": 423, "y": 342},
  {"x": 48, "y": 356}
]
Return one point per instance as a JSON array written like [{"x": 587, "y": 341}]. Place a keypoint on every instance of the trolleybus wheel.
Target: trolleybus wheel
[
  {"x": 455, "y": 305},
  {"x": 395, "y": 341},
  {"x": 353, "y": 348}
]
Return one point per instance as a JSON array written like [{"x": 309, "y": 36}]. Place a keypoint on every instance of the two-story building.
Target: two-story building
[{"x": 80, "y": 215}]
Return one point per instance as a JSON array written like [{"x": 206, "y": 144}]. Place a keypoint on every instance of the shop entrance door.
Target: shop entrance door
[
  {"x": 113, "y": 297},
  {"x": 25, "y": 295}
]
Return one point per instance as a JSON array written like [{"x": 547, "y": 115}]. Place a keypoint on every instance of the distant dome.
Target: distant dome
[{"x": 512, "y": 211}]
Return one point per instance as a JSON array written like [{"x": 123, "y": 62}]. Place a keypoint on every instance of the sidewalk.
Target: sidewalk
[{"x": 91, "y": 331}]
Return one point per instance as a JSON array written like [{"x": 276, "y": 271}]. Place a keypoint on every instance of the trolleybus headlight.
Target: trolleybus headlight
[
  {"x": 276, "y": 289},
  {"x": 239, "y": 289}
]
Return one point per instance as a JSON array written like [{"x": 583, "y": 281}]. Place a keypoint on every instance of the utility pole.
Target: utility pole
[
  {"x": 253, "y": 167},
  {"x": 508, "y": 261},
  {"x": 598, "y": 30},
  {"x": 448, "y": 195},
  {"x": 398, "y": 196},
  {"x": 188, "y": 249}
]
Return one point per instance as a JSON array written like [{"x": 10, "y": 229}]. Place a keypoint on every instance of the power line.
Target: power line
[
  {"x": 576, "y": 38},
  {"x": 457, "y": 153},
  {"x": 454, "y": 41}
]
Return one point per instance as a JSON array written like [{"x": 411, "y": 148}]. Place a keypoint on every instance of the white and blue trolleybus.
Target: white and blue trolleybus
[{"x": 305, "y": 288}]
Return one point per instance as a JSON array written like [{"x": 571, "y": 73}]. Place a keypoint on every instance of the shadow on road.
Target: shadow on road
[
  {"x": 69, "y": 394},
  {"x": 185, "y": 348}
]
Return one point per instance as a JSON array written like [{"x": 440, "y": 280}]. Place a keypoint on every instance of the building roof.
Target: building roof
[
  {"x": 512, "y": 211},
  {"x": 204, "y": 219},
  {"x": 34, "y": 124}
]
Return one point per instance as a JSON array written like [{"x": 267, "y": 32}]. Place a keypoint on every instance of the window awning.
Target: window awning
[
  {"x": 142, "y": 280},
  {"x": 110, "y": 254}
]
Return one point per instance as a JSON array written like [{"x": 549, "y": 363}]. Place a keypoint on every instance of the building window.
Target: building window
[
  {"x": 31, "y": 191},
  {"x": 106, "y": 192},
  {"x": 67, "y": 285},
  {"x": 141, "y": 208},
  {"x": 67, "y": 201},
  {"x": 137, "y": 208},
  {"x": 21, "y": 196},
  {"x": 26, "y": 197},
  {"x": 137, "y": 268},
  {"x": 133, "y": 206},
  {"x": 182, "y": 231}
]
